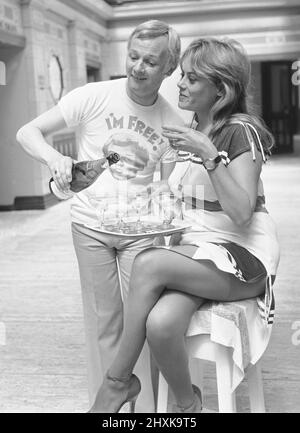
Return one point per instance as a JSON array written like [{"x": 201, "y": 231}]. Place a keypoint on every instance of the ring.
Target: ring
[{"x": 173, "y": 141}]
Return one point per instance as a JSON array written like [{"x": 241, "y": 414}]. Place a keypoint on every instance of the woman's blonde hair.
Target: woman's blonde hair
[{"x": 225, "y": 63}]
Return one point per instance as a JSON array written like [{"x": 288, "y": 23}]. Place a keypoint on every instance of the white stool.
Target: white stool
[{"x": 201, "y": 347}]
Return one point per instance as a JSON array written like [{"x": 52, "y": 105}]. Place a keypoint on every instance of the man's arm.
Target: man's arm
[{"x": 32, "y": 138}]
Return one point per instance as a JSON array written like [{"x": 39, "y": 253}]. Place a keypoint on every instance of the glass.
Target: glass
[
  {"x": 113, "y": 216},
  {"x": 140, "y": 204},
  {"x": 135, "y": 213},
  {"x": 122, "y": 212},
  {"x": 170, "y": 207},
  {"x": 100, "y": 205}
]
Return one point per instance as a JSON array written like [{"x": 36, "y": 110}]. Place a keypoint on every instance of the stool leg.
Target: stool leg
[
  {"x": 162, "y": 397},
  {"x": 226, "y": 398},
  {"x": 256, "y": 391}
]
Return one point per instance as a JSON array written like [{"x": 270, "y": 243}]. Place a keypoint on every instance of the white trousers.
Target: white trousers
[{"x": 102, "y": 259}]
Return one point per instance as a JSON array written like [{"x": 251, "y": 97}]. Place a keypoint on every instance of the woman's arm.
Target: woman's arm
[{"x": 236, "y": 185}]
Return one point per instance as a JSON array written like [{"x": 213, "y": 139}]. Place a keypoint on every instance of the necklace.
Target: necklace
[
  {"x": 180, "y": 185},
  {"x": 192, "y": 157}
]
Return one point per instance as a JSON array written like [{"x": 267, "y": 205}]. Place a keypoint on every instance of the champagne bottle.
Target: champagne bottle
[{"x": 84, "y": 174}]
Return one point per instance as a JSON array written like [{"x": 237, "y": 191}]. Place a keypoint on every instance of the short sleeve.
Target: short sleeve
[
  {"x": 78, "y": 105},
  {"x": 239, "y": 142},
  {"x": 235, "y": 140}
]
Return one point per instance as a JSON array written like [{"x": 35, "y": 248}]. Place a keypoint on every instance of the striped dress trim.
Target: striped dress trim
[
  {"x": 253, "y": 140},
  {"x": 214, "y": 206},
  {"x": 266, "y": 302}
]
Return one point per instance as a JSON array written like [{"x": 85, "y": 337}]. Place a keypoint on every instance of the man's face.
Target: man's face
[{"x": 146, "y": 66}]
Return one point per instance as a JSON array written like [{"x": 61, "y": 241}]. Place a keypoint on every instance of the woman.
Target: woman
[{"x": 231, "y": 250}]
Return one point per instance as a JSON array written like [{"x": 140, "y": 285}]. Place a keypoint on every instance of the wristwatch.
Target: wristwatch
[{"x": 211, "y": 163}]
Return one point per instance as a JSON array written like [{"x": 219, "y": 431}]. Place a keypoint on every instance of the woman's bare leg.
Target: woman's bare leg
[
  {"x": 154, "y": 271},
  {"x": 166, "y": 327}
]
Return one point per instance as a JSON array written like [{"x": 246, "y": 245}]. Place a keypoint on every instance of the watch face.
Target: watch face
[{"x": 209, "y": 164}]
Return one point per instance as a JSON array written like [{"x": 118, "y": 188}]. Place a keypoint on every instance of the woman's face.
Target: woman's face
[{"x": 195, "y": 93}]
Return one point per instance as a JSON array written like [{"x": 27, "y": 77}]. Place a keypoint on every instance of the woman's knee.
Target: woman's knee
[
  {"x": 161, "y": 327},
  {"x": 145, "y": 277},
  {"x": 147, "y": 263}
]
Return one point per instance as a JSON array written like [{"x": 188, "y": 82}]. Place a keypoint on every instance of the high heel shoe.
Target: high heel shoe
[
  {"x": 126, "y": 390},
  {"x": 195, "y": 407}
]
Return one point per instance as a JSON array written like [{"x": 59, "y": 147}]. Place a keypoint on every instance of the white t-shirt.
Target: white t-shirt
[{"x": 109, "y": 121}]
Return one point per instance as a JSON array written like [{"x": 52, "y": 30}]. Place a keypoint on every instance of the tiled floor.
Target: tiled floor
[{"x": 42, "y": 365}]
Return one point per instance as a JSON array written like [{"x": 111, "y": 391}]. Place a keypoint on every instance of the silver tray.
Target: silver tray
[{"x": 149, "y": 228}]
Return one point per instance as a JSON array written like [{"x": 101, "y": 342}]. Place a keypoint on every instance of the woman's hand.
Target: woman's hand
[
  {"x": 61, "y": 170},
  {"x": 190, "y": 140}
]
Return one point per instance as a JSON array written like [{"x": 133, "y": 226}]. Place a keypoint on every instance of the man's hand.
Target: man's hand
[{"x": 61, "y": 170}]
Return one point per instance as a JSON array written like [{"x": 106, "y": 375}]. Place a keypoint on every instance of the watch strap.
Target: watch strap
[{"x": 216, "y": 161}]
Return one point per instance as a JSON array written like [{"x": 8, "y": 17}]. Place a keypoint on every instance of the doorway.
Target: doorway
[
  {"x": 92, "y": 74},
  {"x": 280, "y": 103}
]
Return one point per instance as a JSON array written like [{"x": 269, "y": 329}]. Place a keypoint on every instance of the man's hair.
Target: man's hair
[{"x": 155, "y": 28}]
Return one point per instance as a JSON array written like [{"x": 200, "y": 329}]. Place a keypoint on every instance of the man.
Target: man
[{"x": 129, "y": 107}]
